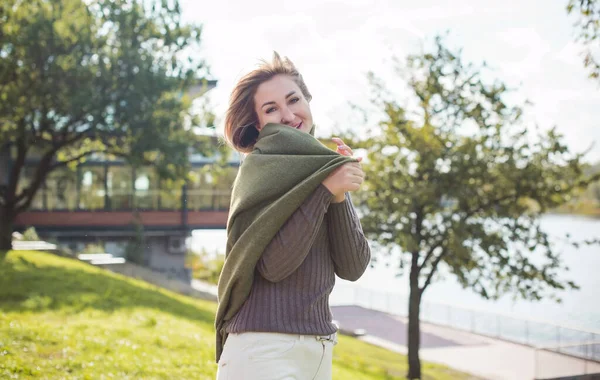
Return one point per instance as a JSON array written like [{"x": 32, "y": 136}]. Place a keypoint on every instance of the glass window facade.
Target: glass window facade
[
  {"x": 205, "y": 192},
  {"x": 119, "y": 187},
  {"x": 91, "y": 187},
  {"x": 170, "y": 194},
  {"x": 61, "y": 189},
  {"x": 199, "y": 194},
  {"x": 146, "y": 187}
]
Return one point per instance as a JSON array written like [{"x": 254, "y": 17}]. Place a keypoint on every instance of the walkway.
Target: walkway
[
  {"x": 481, "y": 356},
  {"x": 475, "y": 354}
]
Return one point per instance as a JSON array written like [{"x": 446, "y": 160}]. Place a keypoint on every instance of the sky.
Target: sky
[{"x": 528, "y": 43}]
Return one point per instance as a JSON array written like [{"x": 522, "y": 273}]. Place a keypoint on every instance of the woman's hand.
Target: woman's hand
[
  {"x": 347, "y": 177},
  {"x": 343, "y": 149}
]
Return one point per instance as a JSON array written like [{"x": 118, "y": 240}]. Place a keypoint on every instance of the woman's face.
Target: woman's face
[{"x": 280, "y": 100}]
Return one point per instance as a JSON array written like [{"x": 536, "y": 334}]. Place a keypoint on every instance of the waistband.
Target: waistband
[{"x": 286, "y": 336}]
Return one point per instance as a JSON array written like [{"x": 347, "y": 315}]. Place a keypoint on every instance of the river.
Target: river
[{"x": 580, "y": 308}]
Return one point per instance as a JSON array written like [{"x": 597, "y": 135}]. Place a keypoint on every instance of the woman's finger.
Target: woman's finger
[
  {"x": 341, "y": 145},
  {"x": 344, "y": 152},
  {"x": 359, "y": 173},
  {"x": 344, "y": 147}
]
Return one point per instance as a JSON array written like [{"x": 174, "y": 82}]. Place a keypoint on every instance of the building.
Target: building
[{"x": 129, "y": 211}]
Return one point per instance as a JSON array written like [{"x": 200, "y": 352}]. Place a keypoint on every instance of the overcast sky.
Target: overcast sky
[{"x": 335, "y": 43}]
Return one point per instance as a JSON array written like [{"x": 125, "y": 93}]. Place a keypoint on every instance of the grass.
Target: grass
[
  {"x": 585, "y": 208},
  {"x": 60, "y": 318}
]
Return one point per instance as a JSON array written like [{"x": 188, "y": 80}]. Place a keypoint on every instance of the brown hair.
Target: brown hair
[{"x": 241, "y": 120}]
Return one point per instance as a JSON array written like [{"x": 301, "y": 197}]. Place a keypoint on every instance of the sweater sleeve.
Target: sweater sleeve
[
  {"x": 350, "y": 249},
  {"x": 290, "y": 246}
]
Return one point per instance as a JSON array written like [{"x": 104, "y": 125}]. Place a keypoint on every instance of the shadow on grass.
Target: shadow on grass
[{"x": 26, "y": 287}]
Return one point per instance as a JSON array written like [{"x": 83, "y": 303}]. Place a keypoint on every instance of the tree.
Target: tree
[
  {"x": 595, "y": 188},
  {"x": 588, "y": 25},
  {"x": 592, "y": 194},
  {"x": 134, "y": 249},
  {"x": 458, "y": 182},
  {"x": 93, "y": 77}
]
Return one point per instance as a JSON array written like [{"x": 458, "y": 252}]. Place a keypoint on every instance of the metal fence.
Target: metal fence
[
  {"x": 548, "y": 367},
  {"x": 531, "y": 332}
]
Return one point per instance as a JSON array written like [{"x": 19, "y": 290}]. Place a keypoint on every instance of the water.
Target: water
[{"x": 579, "y": 309}]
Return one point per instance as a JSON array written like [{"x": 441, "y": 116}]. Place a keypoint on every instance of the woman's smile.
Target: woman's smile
[{"x": 280, "y": 100}]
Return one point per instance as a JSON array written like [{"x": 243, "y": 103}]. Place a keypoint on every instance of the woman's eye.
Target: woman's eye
[
  {"x": 269, "y": 110},
  {"x": 294, "y": 100}
]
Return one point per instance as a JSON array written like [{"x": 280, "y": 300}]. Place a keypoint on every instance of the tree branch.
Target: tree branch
[
  {"x": 72, "y": 159},
  {"x": 77, "y": 119},
  {"x": 489, "y": 204},
  {"x": 40, "y": 176},
  {"x": 437, "y": 260},
  {"x": 433, "y": 270},
  {"x": 433, "y": 247},
  {"x": 73, "y": 140},
  {"x": 17, "y": 165}
]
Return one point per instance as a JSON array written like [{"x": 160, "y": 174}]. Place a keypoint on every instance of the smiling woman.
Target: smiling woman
[
  {"x": 280, "y": 100},
  {"x": 292, "y": 228},
  {"x": 275, "y": 92}
]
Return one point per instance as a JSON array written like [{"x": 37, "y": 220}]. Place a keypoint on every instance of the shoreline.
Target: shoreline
[{"x": 593, "y": 213}]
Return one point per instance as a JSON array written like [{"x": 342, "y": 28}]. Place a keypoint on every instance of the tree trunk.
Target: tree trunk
[
  {"x": 6, "y": 228},
  {"x": 414, "y": 330}
]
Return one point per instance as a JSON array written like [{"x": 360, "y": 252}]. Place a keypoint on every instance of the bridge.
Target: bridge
[
  {"x": 105, "y": 195},
  {"x": 109, "y": 203}
]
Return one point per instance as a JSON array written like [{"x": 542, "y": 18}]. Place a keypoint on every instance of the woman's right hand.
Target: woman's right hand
[{"x": 347, "y": 177}]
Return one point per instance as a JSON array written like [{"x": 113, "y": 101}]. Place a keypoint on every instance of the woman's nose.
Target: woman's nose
[{"x": 287, "y": 116}]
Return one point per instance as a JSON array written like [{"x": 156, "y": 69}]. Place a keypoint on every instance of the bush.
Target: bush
[
  {"x": 30, "y": 234},
  {"x": 204, "y": 267},
  {"x": 93, "y": 248}
]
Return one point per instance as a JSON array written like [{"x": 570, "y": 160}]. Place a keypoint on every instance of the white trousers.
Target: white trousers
[{"x": 275, "y": 356}]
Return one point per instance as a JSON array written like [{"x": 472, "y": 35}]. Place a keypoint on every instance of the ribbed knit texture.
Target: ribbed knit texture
[
  {"x": 296, "y": 272},
  {"x": 282, "y": 171}
]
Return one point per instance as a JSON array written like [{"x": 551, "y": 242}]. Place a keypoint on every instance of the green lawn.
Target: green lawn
[{"x": 60, "y": 318}]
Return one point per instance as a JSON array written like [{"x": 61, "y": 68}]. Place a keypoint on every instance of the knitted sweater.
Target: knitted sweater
[
  {"x": 296, "y": 272},
  {"x": 285, "y": 167}
]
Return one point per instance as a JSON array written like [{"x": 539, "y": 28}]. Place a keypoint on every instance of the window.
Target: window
[
  {"x": 61, "y": 189},
  {"x": 210, "y": 187},
  {"x": 170, "y": 194},
  {"x": 120, "y": 187},
  {"x": 91, "y": 188},
  {"x": 146, "y": 189}
]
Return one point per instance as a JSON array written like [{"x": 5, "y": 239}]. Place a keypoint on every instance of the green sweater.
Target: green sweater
[{"x": 285, "y": 167}]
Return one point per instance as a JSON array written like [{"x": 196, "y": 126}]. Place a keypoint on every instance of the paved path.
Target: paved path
[
  {"x": 481, "y": 356},
  {"x": 204, "y": 287},
  {"x": 390, "y": 328}
]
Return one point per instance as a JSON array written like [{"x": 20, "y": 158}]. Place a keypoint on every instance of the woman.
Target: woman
[{"x": 292, "y": 227}]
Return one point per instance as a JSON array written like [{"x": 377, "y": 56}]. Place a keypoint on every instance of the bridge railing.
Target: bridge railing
[
  {"x": 208, "y": 199},
  {"x": 123, "y": 200},
  {"x": 561, "y": 339}
]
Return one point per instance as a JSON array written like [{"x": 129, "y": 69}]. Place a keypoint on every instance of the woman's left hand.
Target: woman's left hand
[{"x": 344, "y": 150}]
